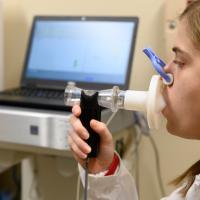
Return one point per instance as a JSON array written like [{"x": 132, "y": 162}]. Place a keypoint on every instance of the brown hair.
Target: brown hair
[
  {"x": 189, "y": 174},
  {"x": 192, "y": 16}
]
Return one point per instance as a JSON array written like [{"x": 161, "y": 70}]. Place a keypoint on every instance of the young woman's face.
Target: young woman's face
[{"x": 183, "y": 97}]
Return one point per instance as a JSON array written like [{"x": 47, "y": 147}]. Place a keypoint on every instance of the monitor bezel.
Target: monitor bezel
[{"x": 61, "y": 84}]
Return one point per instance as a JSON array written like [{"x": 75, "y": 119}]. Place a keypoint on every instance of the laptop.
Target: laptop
[{"x": 93, "y": 52}]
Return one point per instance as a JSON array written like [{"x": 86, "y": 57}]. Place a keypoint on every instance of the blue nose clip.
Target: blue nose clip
[{"x": 158, "y": 65}]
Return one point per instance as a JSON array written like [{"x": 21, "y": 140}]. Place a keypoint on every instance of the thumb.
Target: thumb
[{"x": 102, "y": 130}]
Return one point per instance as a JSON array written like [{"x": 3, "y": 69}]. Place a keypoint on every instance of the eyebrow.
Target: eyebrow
[{"x": 178, "y": 50}]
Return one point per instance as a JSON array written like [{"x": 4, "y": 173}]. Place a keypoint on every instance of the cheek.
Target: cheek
[
  {"x": 183, "y": 110},
  {"x": 184, "y": 94},
  {"x": 176, "y": 96}
]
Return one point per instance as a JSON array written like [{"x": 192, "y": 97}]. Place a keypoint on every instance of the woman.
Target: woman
[{"x": 108, "y": 177}]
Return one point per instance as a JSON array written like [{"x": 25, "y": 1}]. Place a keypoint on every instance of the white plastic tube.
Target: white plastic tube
[{"x": 135, "y": 100}]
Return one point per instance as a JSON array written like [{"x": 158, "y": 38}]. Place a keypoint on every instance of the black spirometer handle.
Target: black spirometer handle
[{"x": 90, "y": 109}]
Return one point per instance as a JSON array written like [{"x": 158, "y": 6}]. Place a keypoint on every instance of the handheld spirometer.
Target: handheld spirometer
[{"x": 150, "y": 101}]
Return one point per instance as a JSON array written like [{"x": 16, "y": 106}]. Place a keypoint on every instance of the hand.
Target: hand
[{"x": 76, "y": 139}]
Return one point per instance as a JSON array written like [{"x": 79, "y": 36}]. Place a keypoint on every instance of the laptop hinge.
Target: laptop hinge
[{"x": 29, "y": 85}]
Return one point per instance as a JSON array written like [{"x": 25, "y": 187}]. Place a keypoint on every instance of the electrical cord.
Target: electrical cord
[
  {"x": 136, "y": 153},
  {"x": 86, "y": 179},
  {"x": 78, "y": 187},
  {"x": 158, "y": 170},
  {"x": 111, "y": 118},
  {"x": 137, "y": 141}
]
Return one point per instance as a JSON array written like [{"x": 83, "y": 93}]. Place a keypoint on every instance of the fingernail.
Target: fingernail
[
  {"x": 93, "y": 122},
  {"x": 84, "y": 156},
  {"x": 86, "y": 135},
  {"x": 89, "y": 149}
]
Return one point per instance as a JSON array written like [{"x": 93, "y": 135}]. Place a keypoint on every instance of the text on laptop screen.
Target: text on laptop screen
[{"x": 80, "y": 51}]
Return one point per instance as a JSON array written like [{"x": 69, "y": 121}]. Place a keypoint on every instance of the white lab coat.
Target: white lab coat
[{"x": 121, "y": 186}]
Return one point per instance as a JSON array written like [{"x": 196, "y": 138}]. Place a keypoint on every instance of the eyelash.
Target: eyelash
[{"x": 179, "y": 63}]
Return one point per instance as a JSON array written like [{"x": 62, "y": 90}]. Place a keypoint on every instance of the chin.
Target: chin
[
  {"x": 174, "y": 130},
  {"x": 170, "y": 129},
  {"x": 180, "y": 132}
]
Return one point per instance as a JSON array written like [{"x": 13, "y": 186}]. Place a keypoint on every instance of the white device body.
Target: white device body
[{"x": 44, "y": 129}]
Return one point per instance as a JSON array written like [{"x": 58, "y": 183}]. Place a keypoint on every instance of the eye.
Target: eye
[{"x": 178, "y": 63}]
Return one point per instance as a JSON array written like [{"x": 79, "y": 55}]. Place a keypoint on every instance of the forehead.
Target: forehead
[{"x": 183, "y": 38}]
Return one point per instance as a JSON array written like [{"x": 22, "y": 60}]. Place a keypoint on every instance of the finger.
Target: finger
[
  {"x": 102, "y": 130},
  {"x": 79, "y": 160},
  {"x": 81, "y": 144},
  {"x": 79, "y": 128},
  {"x": 79, "y": 154},
  {"x": 76, "y": 110}
]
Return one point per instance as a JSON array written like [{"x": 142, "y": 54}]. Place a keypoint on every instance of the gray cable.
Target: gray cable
[
  {"x": 136, "y": 153},
  {"x": 78, "y": 188},
  {"x": 86, "y": 179},
  {"x": 111, "y": 118},
  {"x": 157, "y": 165}
]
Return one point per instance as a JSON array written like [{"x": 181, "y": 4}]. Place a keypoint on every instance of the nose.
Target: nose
[{"x": 167, "y": 68}]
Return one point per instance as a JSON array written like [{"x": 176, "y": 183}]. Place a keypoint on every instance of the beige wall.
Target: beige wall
[{"x": 176, "y": 154}]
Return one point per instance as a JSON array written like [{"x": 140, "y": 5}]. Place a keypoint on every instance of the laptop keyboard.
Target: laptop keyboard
[{"x": 39, "y": 93}]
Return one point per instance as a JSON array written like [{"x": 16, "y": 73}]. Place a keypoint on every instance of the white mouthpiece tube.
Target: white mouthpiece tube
[{"x": 135, "y": 100}]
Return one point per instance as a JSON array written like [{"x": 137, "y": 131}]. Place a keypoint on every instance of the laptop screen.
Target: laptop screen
[{"x": 93, "y": 52}]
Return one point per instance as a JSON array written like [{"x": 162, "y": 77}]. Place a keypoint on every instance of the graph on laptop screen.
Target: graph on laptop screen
[{"x": 84, "y": 50}]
